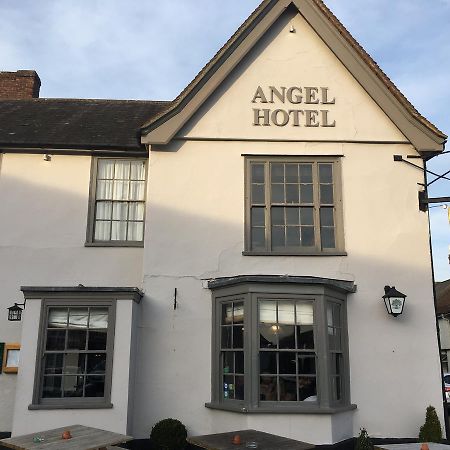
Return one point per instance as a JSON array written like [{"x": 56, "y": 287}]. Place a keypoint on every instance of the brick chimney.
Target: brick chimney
[{"x": 19, "y": 85}]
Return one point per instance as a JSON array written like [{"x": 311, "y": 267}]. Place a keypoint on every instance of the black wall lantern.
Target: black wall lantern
[
  {"x": 394, "y": 300},
  {"x": 15, "y": 312}
]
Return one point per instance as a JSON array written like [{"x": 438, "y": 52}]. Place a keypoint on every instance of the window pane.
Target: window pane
[
  {"x": 78, "y": 317},
  {"x": 74, "y": 363},
  {"x": 73, "y": 385},
  {"x": 98, "y": 317},
  {"x": 292, "y": 173},
  {"x": 104, "y": 190},
  {"x": 258, "y": 238},
  {"x": 306, "y": 173},
  {"x": 228, "y": 362},
  {"x": 307, "y": 389},
  {"x": 306, "y": 193},
  {"x": 288, "y": 363},
  {"x": 326, "y": 194},
  {"x": 277, "y": 173},
  {"x": 292, "y": 236},
  {"x": 56, "y": 340},
  {"x": 52, "y": 387},
  {"x": 267, "y": 311},
  {"x": 136, "y": 211},
  {"x": 307, "y": 236},
  {"x": 258, "y": 196},
  {"x": 334, "y": 338},
  {"x": 286, "y": 313},
  {"x": 122, "y": 170},
  {"x": 103, "y": 210},
  {"x": 95, "y": 386},
  {"x": 135, "y": 231},
  {"x": 76, "y": 339},
  {"x": 278, "y": 238},
  {"x": 105, "y": 169},
  {"x": 97, "y": 340},
  {"x": 304, "y": 313},
  {"x": 292, "y": 193},
  {"x": 286, "y": 336},
  {"x": 53, "y": 363},
  {"x": 277, "y": 215},
  {"x": 238, "y": 336},
  {"x": 268, "y": 362},
  {"x": 96, "y": 363},
  {"x": 137, "y": 190},
  {"x": 307, "y": 216},
  {"x": 288, "y": 389},
  {"x": 292, "y": 216},
  {"x": 268, "y": 389},
  {"x": 278, "y": 193},
  {"x": 119, "y": 231},
  {"x": 121, "y": 189},
  {"x": 327, "y": 237},
  {"x": 102, "y": 230},
  {"x": 239, "y": 388},
  {"x": 238, "y": 312},
  {"x": 258, "y": 217},
  {"x": 227, "y": 313},
  {"x": 305, "y": 337},
  {"x": 326, "y": 217},
  {"x": 57, "y": 317},
  {"x": 228, "y": 387},
  {"x": 226, "y": 337},
  {"x": 239, "y": 362},
  {"x": 137, "y": 170},
  {"x": 257, "y": 173},
  {"x": 120, "y": 211},
  {"x": 326, "y": 173},
  {"x": 306, "y": 364}
]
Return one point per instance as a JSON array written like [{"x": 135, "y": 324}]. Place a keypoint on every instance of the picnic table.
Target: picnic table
[
  {"x": 265, "y": 441},
  {"x": 83, "y": 438}
]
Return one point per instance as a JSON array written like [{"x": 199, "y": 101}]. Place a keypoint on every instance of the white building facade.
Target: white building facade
[{"x": 228, "y": 270}]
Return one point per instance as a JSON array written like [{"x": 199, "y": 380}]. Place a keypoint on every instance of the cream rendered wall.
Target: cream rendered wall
[
  {"x": 43, "y": 210},
  {"x": 195, "y": 231},
  {"x": 113, "y": 419}
]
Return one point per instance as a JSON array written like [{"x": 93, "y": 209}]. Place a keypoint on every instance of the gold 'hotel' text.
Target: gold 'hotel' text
[{"x": 296, "y": 117}]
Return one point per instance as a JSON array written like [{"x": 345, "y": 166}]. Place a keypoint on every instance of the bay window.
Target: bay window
[{"x": 279, "y": 344}]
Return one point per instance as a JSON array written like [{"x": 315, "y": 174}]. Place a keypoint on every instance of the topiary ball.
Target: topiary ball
[{"x": 169, "y": 434}]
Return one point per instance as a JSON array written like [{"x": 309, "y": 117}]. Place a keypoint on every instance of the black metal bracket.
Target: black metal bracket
[{"x": 424, "y": 200}]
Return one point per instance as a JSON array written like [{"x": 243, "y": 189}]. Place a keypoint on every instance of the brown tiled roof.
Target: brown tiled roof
[
  {"x": 191, "y": 88},
  {"x": 75, "y": 124},
  {"x": 443, "y": 297}
]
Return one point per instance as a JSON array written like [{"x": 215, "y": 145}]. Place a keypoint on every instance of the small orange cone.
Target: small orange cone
[{"x": 424, "y": 446}]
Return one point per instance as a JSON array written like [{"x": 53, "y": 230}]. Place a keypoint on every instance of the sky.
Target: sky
[{"x": 152, "y": 49}]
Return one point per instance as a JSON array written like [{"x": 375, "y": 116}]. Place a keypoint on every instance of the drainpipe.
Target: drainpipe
[{"x": 444, "y": 398}]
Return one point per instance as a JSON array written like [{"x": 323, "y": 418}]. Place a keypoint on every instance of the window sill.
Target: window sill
[
  {"x": 304, "y": 409},
  {"x": 34, "y": 407},
  {"x": 336, "y": 253},
  {"x": 114, "y": 244}
]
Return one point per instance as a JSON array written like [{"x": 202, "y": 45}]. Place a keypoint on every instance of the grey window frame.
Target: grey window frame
[
  {"x": 339, "y": 249},
  {"x": 90, "y": 230},
  {"x": 69, "y": 300},
  {"x": 250, "y": 292}
]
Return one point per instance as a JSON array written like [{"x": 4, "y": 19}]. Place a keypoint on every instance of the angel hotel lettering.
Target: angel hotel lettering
[{"x": 289, "y": 115}]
